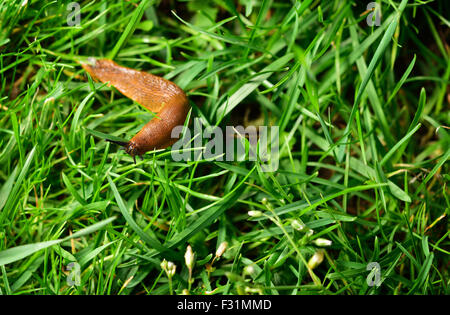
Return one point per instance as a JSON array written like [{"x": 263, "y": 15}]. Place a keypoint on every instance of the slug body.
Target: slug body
[{"x": 158, "y": 95}]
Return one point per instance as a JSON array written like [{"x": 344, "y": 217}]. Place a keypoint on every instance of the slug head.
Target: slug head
[{"x": 129, "y": 147}]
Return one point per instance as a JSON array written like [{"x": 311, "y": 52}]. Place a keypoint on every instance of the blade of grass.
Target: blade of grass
[
  {"x": 17, "y": 253},
  {"x": 163, "y": 250},
  {"x": 370, "y": 70},
  {"x": 129, "y": 30}
]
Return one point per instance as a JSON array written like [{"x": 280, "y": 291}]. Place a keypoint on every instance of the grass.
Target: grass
[{"x": 364, "y": 148}]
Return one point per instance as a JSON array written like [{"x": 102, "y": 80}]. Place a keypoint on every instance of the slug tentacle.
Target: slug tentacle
[
  {"x": 117, "y": 142},
  {"x": 158, "y": 95}
]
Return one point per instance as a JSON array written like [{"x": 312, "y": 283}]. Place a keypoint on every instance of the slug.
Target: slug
[{"x": 158, "y": 95}]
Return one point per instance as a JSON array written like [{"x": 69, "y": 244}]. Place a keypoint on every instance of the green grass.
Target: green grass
[{"x": 364, "y": 148}]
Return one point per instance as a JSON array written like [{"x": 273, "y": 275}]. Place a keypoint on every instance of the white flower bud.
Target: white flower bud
[
  {"x": 249, "y": 270},
  {"x": 316, "y": 259},
  {"x": 297, "y": 225},
  {"x": 222, "y": 248},
  {"x": 254, "y": 213},
  {"x": 322, "y": 242},
  {"x": 189, "y": 257},
  {"x": 171, "y": 268}
]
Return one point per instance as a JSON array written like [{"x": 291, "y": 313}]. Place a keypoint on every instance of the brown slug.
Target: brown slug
[{"x": 158, "y": 95}]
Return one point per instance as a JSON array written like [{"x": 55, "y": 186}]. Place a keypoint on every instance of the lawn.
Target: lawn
[{"x": 357, "y": 203}]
